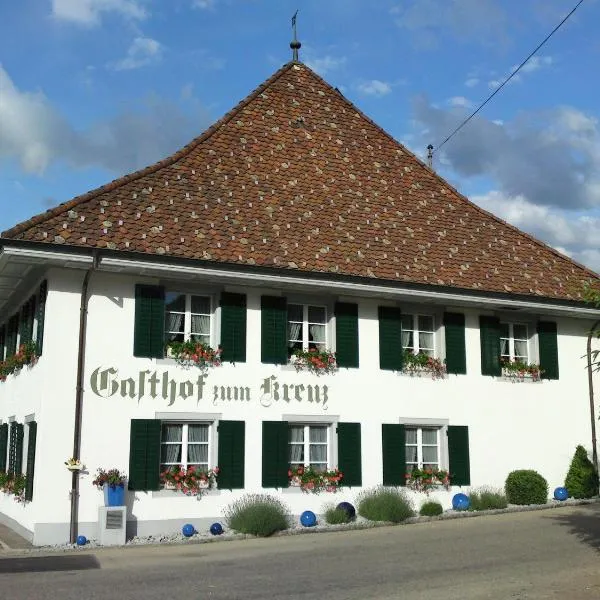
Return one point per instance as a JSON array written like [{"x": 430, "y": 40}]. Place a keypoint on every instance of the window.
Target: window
[
  {"x": 422, "y": 448},
  {"x": 307, "y": 328},
  {"x": 418, "y": 334},
  {"x": 185, "y": 444},
  {"x": 187, "y": 317},
  {"x": 309, "y": 446},
  {"x": 513, "y": 342}
]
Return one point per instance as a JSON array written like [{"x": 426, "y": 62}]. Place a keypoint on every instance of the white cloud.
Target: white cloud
[
  {"x": 203, "y": 4},
  {"x": 325, "y": 64},
  {"x": 89, "y": 12},
  {"x": 37, "y": 135},
  {"x": 374, "y": 87},
  {"x": 472, "y": 82},
  {"x": 141, "y": 53},
  {"x": 535, "y": 63},
  {"x": 460, "y": 101}
]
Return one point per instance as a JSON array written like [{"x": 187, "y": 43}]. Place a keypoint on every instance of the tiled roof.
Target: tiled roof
[{"x": 297, "y": 177}]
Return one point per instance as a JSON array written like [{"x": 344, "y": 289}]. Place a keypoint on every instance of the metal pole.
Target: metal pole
[{"x": 591, "y": 390}]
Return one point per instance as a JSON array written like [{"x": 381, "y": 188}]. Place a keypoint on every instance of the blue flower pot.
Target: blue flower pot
[{"x": 114, "y": 495}]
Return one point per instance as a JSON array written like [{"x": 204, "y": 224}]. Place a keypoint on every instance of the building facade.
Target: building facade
[{"x": 293, "y": 228}]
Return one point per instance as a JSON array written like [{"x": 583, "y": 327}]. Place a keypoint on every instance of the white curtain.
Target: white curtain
[
  {"x": 407, "y": 339},
  {"x": 174, "y": 324},
  {"x": 201, "y": 325},
  {"x": 171, "y": 452},
  {"x": 317, "y": 333},
  {"x": 296, "y": 444},
  {"x": 294, "y": 333}
]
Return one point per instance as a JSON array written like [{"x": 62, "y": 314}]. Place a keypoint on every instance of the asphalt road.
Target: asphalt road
[{"x": 533, "y": 555}]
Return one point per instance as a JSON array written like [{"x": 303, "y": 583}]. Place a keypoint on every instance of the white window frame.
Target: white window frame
[
  {"x": 184, "y": 442},
  {"x": 511, "y": 340},
  {"x": 187, "y": 315},
  {"x": 306, "y": 324},
  {"x": 426, "y": 423},
  {"x": 307, "y": 443},
  {"x": 415, "y": 329},
  {"x": 420, "y": 445}
]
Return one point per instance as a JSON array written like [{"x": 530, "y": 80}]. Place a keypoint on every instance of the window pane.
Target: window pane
[
  {"x": 197, "y": 453},
  {"x": 316, "y": 335},
  {"x": 407, "y": 321},
  {"x": 170, "y": 453},
  {"x": 174, "y": 301},
  {"x": 203, "y": 339},
  {"x": 520, "y": 332},
  {"x": 318, "y": 434},
  {"x": 430, "y": 454},
  {"x": 316, "y": 314},
  {"x": 425, "y": 323},
  {"x": 425, "y": 341},
  {"x": 520, "y": 349},
  {"x": 430, "y": 436},
  {"x": 504, "y": 351},
  {"x": 296, "y": 433},
  {"x": 318, "y": 453},
  {"x": 295, "y": 312},
  {"x": 172, "y": 433},
  {"x": 408, "y": 339},
  {"x": 201, "y": 305},
  {"x": 504, "y": 330},
  {"x": 198, "y": 433},
  {"x": 411, "y": 436},
  {"x": 411, "y": 454},
  {"x": 295, "y": 332},
  {"x": 297, "y": 453},
  {"x": 200, "y": 324}
]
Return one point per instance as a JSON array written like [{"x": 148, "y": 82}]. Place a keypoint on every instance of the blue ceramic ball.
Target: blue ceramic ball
[
  {"x": 561, "y": 493},
  {"x": 188, "y": 530},
  {"x": 216, "y": 529},
  {"x": 348, "y": 509},
  {"x": 308, "y": 518},
  {"x": 81, "y": 540},
  {"x": 460, "y": 502}
]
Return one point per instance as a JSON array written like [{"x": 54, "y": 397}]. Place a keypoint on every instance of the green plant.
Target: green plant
[
  {"x": 112, "y": 477},
  {"x": 384, "y": 504},
  {"x": 520, "y": 369},
  {"x": 315, "y": 361},
  {"x": 257, "y": 514},
  {"x": 415, "y": 364},
  {"x": 194, "y": 354},
  {"x": 336, "y": 516},
  {"x": 424, "y": 480},
  {"x": 487, "y": 499},
  {"x": 582, "y": 478},
  {"x": 431, "y": 509},
  {"x": 526, "y": 486},
  {"x": 191, "y": 481},
  {"x": 311, "y": 480},
  {"x": 13, "y": 483}
]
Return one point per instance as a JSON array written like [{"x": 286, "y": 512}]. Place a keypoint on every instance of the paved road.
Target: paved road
[{"x": 535, "y": 555}]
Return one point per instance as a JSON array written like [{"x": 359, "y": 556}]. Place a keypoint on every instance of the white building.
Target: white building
[{"x": 293, "y": 222}]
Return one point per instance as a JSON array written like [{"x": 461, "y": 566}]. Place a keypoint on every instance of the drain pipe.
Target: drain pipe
[
  {"x": 79, "y": 397},
  {"x": 591, "y": 390}
]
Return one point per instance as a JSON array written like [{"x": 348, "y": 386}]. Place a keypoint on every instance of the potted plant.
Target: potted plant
[
  {"x": 194, "y": 354},
  {"x": 417, "y": 364},
  {"x": 112, "y": 483},
  {"x": 192, "y": 481},
  {"x": 519, "y": 370},
  {"x": 25, "y": 355},
  {"x": 313, "y": 360},
  {"x": 312, "y": 481},
  {"x": 425, "y": 480}
]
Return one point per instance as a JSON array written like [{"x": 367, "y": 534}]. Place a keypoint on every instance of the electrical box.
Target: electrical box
[{"x": 112, "y": 523}]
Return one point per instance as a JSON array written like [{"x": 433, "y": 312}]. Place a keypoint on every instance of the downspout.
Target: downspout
[
  {"x": 591, "y": 390},
  {"x": 83, "y": 310}
]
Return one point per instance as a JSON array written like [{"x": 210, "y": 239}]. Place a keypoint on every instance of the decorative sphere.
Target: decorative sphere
[
  {"x": 216, "y": 529},
  {"x": 188, "y": 530},
  {"x": 81, "y": 540},
  {"x": 308, "y": 518},
  {"x": 348, "y": 509},
  {"x": 561, "y": 493},
  {"x": 460, "y": 502}
]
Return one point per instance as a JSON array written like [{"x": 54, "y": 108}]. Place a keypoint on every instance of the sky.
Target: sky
[{"x": 93, "y": 89}]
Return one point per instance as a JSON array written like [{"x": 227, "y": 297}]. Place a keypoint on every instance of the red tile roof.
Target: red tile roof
[{"x": 297, "y": 177}]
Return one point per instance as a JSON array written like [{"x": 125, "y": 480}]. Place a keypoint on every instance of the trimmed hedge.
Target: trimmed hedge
[
  {"x": 431, "y": 509},
  {"x": 257, "y": 514},
  {"x": 526, "y": 486},
  {"x": 582, "y": 479}
]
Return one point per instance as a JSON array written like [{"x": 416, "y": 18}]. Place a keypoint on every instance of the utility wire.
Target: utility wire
[{"x": 508, "y": 78}]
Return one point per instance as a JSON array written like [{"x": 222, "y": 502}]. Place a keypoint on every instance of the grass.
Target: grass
[
  {"x": 384, "y": 504},
  {"x": 257, "y": 514},
  {"x": 487, "y": 499}
]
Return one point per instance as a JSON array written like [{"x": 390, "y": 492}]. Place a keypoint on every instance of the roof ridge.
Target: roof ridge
[
  {"x": 464, "y": 198},
  {"x": 165, "y": 162}
]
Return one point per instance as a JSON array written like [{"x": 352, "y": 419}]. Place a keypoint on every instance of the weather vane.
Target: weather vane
[{"x": 295, "y": 45}]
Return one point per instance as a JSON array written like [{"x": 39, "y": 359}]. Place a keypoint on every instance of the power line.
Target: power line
[{"x": 508, "y": 78}]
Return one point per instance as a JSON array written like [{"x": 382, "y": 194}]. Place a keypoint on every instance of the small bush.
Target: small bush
[
  {"x": 526, "y": 486},
  {"x": 431, "y": 509},
  {"x": 336, "y": 516},
  {"x": 582, "y": 479},
  {"x": 487, "y": 499},
  {"x": 257, "y": 514},
  {"x": 384, "y": 504}
]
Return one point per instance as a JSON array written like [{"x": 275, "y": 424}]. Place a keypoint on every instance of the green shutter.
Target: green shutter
[
  {"x": 275, "y": 463},
  {"x": 273, "y": 335},
  {"x": 548, "y": 344},
  {"x": 149, "y": 332},
  {"x": 11, "y": 338},
  {"x": 489, "y": 331},
  {"x": 233, "y": 327},
  {"x": 3, "y": 446},
  {"x": 41, "y": 315},
  {"x": 394, "y": 454},
  {"x": 456, "y": 357},
  {"x": 390, "y": 338},
  {"x": 349, "y": 453},
  {"x": 26, "y": 321},
  {"x": 346, "y": 334},
  {"x": 30, "y": 460},
  {"x": 2, "y": 341},
  {"x": 232, "y": 439},
  {"x": 458, "y": 452},
  {"x": 144, "y": 455},
  {"x": 12, "y": 448},
  {"x": 19, "y": 448}
]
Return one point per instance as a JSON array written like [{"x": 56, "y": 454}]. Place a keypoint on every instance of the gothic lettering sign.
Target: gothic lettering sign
[{"x": 106, "y": 383}]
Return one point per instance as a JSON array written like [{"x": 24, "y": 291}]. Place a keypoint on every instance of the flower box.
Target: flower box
[
  {"x": 312, "y": 481},
  {"x": 25, "y": 355},
  {"x": 314, "y": 361},
  {"x": 421, "y": 364},
  {"x": 519, "y": 371},
  {"x": 426, "y": 480},
  {"x": 194, "y": 354},
  {"x": 192, "y": 481}
]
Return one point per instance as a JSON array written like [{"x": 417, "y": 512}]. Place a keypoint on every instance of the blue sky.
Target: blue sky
[{"x": 93, "y": 89}]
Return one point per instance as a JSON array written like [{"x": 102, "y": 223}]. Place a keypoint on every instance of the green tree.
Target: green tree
[
  {"x": 592, "y": 296},
  {"x": 582, "y": 479}
]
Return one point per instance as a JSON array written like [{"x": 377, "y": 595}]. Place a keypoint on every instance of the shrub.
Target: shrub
[
  {"x": 336, "y": 516},
  {"x": 526, "y": 486},
  {"x": 582, "y": 479},
  {"x": 487, "y": 499},
  {"x": 431, "y": 509},
  {"x": 257, "y": 514},
  {"x": 384, "y": 504}
]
